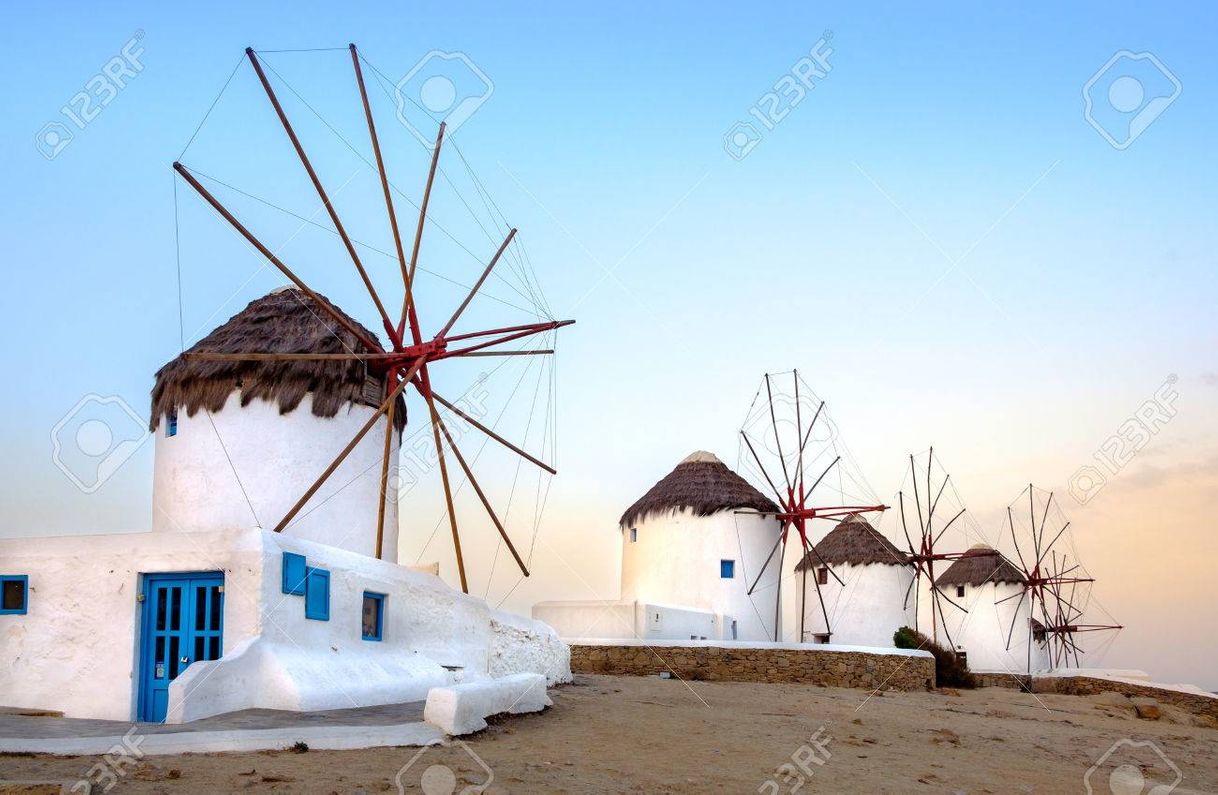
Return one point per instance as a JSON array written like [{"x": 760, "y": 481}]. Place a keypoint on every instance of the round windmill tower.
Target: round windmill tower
[
  {"x": 238, "y": 440},
  {"x": 866, "y": 606},
  {"x": 684, "y": 543}
]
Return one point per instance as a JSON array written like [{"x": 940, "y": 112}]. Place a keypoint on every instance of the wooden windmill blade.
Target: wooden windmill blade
[
  {"x": 411, "y": 354},
  {"x": 775, "y": 451}
]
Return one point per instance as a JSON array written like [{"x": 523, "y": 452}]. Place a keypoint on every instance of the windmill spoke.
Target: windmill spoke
[
  {"x": 380, "y": 167},
  {"x": 394, "y": 335},
  {"x": 346, "y": 451},
  {"x": 380, "y": 508},
  {"x": 781, "y": 499},
  {"x": 782, "y": 535},
  {"x": 537, "y": 329},
  {"x": 477, "y": 285},
  {"x": 799, "y": 433},
  {"x": 777, "y": 439},
  {"x": 452, "y": 445},
  {"x": 457, "y": 410},
  {"x": 820, "y": 597},
  {"x": 408, "y": 309},
  {"x": 917, "y": 497},
  {"x": 904, "y": 526},
  {"x": 952, "y": 521},
  {"x": 803, "y": 442},
  {"x": 912, "y": 583},
  {"x": 424, "y": 388},
  {"x": 346, "y": 323},
  {"x": 540, "y": 352},
  {"x": 832, "y": 464},
  {"x": 1015, "y": 539},
  {"x": 935, "y": 594}
]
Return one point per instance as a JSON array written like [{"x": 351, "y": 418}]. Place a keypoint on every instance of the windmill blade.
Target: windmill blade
[
  {"x": 478, "y": 284},
  {"x": 832, "y": 464},
  {"x": 380, "y": 508},
  {"x": 455, "y": 409},
  {"x": 777, "y": 542},
  {"x": 380, "y": 167},
  {"x": 811, "y": 425},
  {"x": 408, "y": 307},
  {"x": 1015, "y": 616},
  {"x": 394, "y": 334},
  {"x": 917, "y": 497},
  {"x": 935, "y": 595},
  {"x": 448, "y": 493},
  {"x": 781, "y": 499},
  {"x": 949, "y": 600},
  {"x": 820, "y": 597},
  {"x": 904, "y": 526},
  {"x": 473, "y": 481},
  {"x": 1015, "y": 540},
  {"x": 951, "y": 522},
  {"x": 346, "y": 451},
  {"x": 777, "y": 438},
  {"x": 345, "y": 322},
  {"x": 912, "y": 583}
]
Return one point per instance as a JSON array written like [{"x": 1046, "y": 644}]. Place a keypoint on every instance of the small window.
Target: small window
[
  {"x": 820, "y": 637},
  {"x": 962, "y": 656},
  {"x": 959, "y": 590},
  {"x": 374, "y": 616},
  {"x": 634, "y": 534},
  {"x": 171, "y": 424},
  {"x": 727, "y": 569},
  {"x": 293, "y": 573},
  {"x": 317, "y": 594},
  {"x": 822, "y": 576},
  {"x": 14, "y": 594}
]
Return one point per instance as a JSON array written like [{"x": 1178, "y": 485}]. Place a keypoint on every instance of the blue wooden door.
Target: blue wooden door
[{"x": 183, "y": 623}]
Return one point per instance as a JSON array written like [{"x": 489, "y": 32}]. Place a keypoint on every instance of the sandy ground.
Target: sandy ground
[{"x": 628, "y": 734}]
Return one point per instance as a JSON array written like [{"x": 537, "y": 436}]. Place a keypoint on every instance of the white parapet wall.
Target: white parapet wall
[
  {"x": 76, "y": 649},
  {"x": 610, "y": 619}
]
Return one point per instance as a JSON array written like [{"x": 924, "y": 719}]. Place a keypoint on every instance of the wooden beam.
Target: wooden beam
[
  {"x": 346, "y": 451},
  {"x": 364, "y": 339},
  {"x": 380, "y": 167},
  {"x": 380, "y": 508},
  {"x": 394, "y": 337},
  {"x": 455, "y": 410},
  {"x": 448, "y": 494},
  {"x": 477, "y": 285},
  {"x": 408, "y": 311},
  {"x": 452, "y": 445}
]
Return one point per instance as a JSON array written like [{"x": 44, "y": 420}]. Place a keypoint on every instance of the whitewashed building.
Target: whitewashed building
[
  {"x": 988, "y": 585},
  {"x": 866, "y": 607},
  {"x": 691, "y": 548},
  {"x": 212, "y": 611}
]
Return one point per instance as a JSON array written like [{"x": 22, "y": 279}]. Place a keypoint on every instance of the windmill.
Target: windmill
[
  {"x": 928, "y": 487},
  {"x": 1055, "y": 588},
  {"x": 783, "y": 419},
  {"x": 412, "y": 355}
]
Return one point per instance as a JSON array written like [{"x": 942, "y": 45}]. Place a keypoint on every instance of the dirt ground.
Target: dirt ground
[{"x": 633, "y": 734}]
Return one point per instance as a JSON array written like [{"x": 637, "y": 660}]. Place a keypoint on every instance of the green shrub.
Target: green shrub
[{"x": 950, "y": 670}]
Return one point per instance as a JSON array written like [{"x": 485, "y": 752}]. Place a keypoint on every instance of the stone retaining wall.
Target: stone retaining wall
[
  {"x": 759, "y": 664},
  {"x": 992, "y": 679},
  {"x": 1195, "y": 703}
]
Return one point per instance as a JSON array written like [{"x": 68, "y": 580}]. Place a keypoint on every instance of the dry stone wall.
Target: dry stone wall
[{"x": 759, "y": 664}]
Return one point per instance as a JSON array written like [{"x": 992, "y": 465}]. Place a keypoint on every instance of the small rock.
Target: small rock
[{"x": 1147, "y": 708}]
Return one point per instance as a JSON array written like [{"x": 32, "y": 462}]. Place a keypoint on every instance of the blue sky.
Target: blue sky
[{"x": 934, "y": 236}]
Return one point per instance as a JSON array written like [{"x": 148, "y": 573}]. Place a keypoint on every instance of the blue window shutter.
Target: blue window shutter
[
  {"x": 293, "y": 573},
  {"x": 317, "y": 594},
  {"x": 14, "y": 594},
  {"x": 727, "y": 569}
]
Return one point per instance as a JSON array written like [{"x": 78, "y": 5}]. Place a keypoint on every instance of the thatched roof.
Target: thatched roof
[
  {"x": 856, "y": 542},
  {"x": 283, "y": 321},
  {"x": 704, "y": 485},
  {"x": 981, "y": 564}
]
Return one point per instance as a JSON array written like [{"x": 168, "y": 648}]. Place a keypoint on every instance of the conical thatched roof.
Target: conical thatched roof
[
  {"x": 981, "y": 564},
  {"x": 284, "y": 321},
  {"x": 856, "y": 542},
  {"x": 703, "y": 484}
]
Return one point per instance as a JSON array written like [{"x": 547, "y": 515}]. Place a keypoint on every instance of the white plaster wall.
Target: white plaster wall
[
  {"x": 865, "y": 611},
  {"x": 76, "y": 649},
  {"x": 675, "y": 561},
  {"x": 625, "y": 620},
  {"x": 276, "y": 458},
  {"x": 982, "y": 632}
]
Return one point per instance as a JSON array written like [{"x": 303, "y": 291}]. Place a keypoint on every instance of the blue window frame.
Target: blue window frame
[
  {"x": 727, "y": 569},
  {"x": 634, "y": 534},
  {"x": 14, "y": 594},
  {"x": 317, "y": 594},
  {"x": 294, "y": 573},
  {"x": 171, "y": 424},
  {"x": 373, "y": 619}
]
